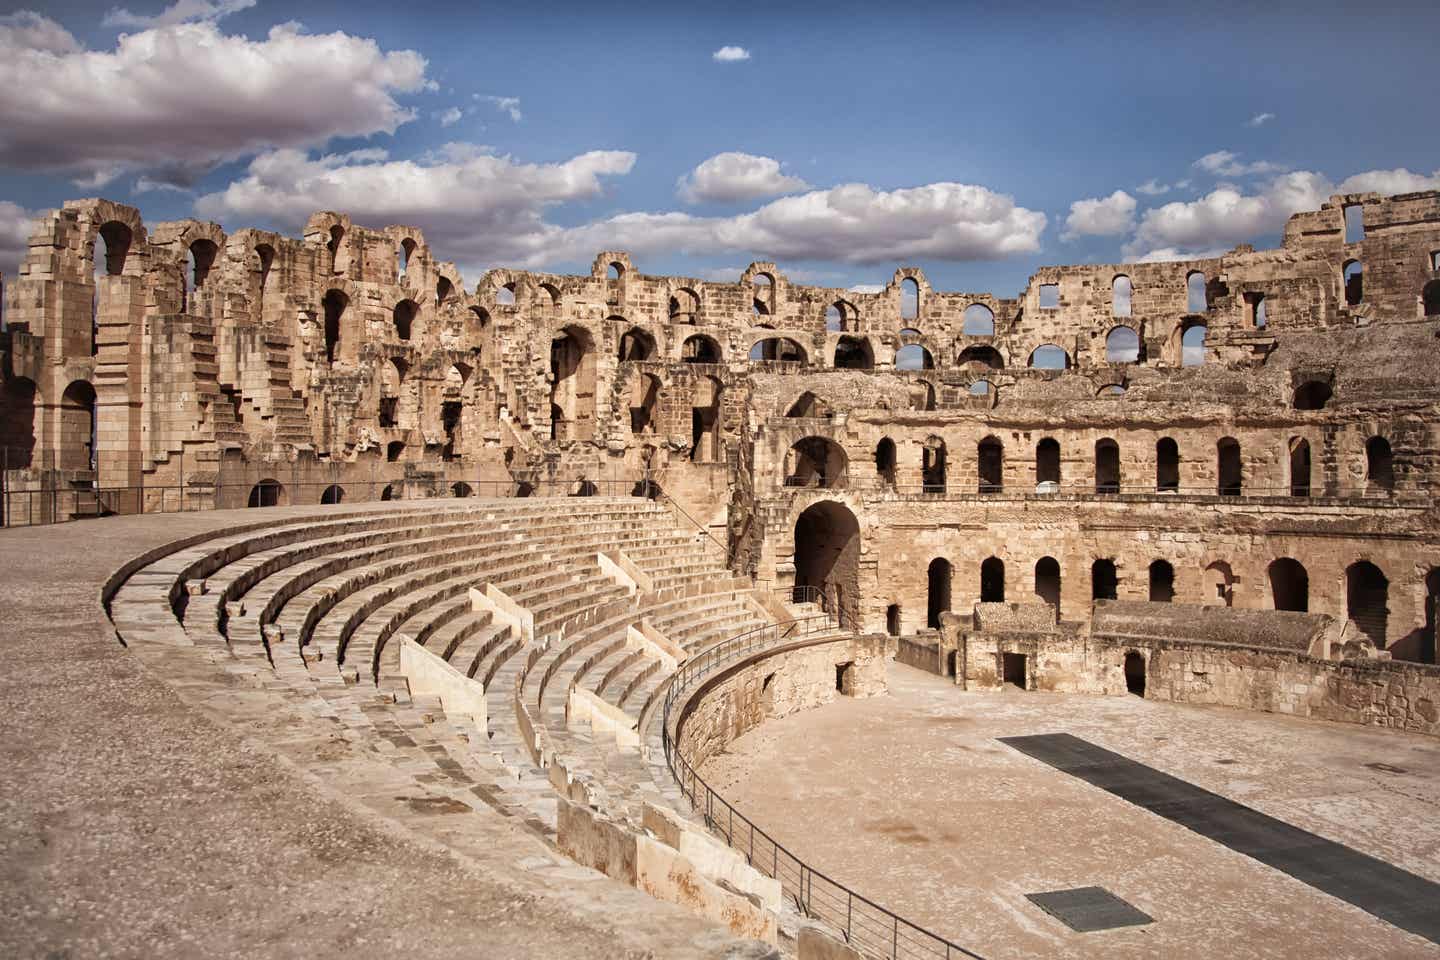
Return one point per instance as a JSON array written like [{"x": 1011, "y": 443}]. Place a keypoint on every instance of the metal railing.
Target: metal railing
[
  {"x": 59, "y": 504},
  {"x": 682, "y": 515},
  {"x": 967, "y": 489},
  {"x": 864, "y": 924}
]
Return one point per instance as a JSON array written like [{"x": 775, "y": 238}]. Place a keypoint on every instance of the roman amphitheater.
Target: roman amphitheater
[{"x": 355, "y": 608}]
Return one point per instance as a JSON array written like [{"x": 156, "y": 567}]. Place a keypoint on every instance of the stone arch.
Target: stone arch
[
  {"x": 1104, "y": 579},
  {"x": 776, "y": 348},
  {"x": 18, "y": 403},
  {"x": 333, "y": 306},
  {"x": 992, "y": 580},
  {"x": 572, "y": 383},
  {"x": 978, "y": 321},
  {"x": 932, "y": 465},
  {"x": 984, "y": 354},
  {"x": 885, "y": 461},
  {"x": 1221, "y": 580},
  {"x": 1379, "y": 465},
  {"x": 939, "y": 578},
  {"x": 1289, "y": 585},
  {"x": 1049, "y": 356},
  {"x": 403, "y": 318},
  {"x": 1167, "y": 464},
  {"x": 332, "y": 494},
  {"x": 815, "y": 462},
  {"x": 1122, "y": 345},
  {"x": 1047, "y": 581},
  {"x": 76, "y": 447},
  {"x": 268, "y": 493},
  {"x": 644, "y": 401},
  {"x": 1121, "y": 291},
  {"x": 827, "y": 553},
  {"x": 808, "y": 405},
  {"x": 1162, "y": 581},
  {"x": 118, "y": 237},
  {"x": 1229, "y": 468},
  {"x": 1367, "y": 595},
  {"x": 684, "y": 305},
  {"x": 1135, "y": 673},
  {"x": 701, "y": 348},
  {"x": 1312, "y": 395},
  {"x": 1047, "y": 463},
  {"x": 990, "y": 464},
  {"x": 1299, "y": 462},
  {"x": 636, "y": 344},
  {"x": 707, "y": 443},
  {"x": 854, "y": 353},
  {"x": 1107, "y": 466}
]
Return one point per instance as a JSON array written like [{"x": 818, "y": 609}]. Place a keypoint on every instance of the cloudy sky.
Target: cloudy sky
[{"x": 978, "y": 145}]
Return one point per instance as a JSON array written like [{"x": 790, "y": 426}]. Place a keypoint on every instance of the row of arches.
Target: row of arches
[
  {"x": 76, "y": 422},
  {"x": 1108, "y": 477},
  {"x": 1288, "y": 582}
]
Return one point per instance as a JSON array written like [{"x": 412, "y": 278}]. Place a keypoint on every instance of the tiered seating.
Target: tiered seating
[{"x": 311, "y": 611}]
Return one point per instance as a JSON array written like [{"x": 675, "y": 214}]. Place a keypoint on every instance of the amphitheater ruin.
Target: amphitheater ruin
[{"x": 629, "y": 615}]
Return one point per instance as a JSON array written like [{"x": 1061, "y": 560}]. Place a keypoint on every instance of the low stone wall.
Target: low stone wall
[
  {"x": 1379, "y": 693},
  {"x": 772, "y": 685}
]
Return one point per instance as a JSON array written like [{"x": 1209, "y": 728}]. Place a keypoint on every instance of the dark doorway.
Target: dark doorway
[
  {"x": 1012, "y": 666},
  {"x": 892, "y": 619},
  {"x": 1299, "y": 467},
  {"x": 1103, "y": 580},
  {"x": 991, "y": 465},
  {"x": 885, "y": 461},
  {"x": 1135, "y": 674},
  {"x": 1162, "y": 582},
  {"x": 1167, "y": 465},
  {"x": 1227, "y": 453},
  {"x": 1289, "y": 585},
  {"x": 992, "y": 580},
  {"x": 845, "y": 678},
  {"x": 940, "y": 575},
  {"x": 1047, "y": 581},
  {"x": 1047, "y": 461},
  {"x": 1107, "y": 466},
  {"x": 1367, "y": 594},
  {"x": 827, "y": 553}
]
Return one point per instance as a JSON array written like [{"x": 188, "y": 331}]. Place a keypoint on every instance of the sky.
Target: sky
[{"x": 839, "y": 142}]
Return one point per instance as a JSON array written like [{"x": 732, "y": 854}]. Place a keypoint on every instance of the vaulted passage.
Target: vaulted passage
[
  {"x": 1367, "y": 596},
  {"x": 827, "y": 553},
  {"x": 938, "y": 598},
  {"x": 1135, "y": 674}
]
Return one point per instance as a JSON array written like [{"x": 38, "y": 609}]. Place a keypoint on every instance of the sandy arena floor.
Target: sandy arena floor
[{"x": 910, "y": 799}]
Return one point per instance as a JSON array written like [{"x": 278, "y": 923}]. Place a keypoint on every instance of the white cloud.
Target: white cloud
[
  {"x": 481, "y": 209},
  {"x": 1171, "y": 254},
  {"x": 1260, "y": 119},
  {"x": 1100, "y": 217},
  {"x": 15, "y": 223},
  {"x": 474, "y": 206},
  {"x": 1153, "y": 188},
  {"x": 730, "y": 54},
  {"x": 174, "y": 101},
  {"x": 182, "y": 11},
  {"x": 448, "y": 118},
  {"x": 1389, "y": 182},
  {"x": 728, "y": 177},
  {"x": 867, "y": 288},
  {"x": 1225, "y": 163},
  {"x": 1224, "y": 217},
  {"x": 510, "y": 105}
]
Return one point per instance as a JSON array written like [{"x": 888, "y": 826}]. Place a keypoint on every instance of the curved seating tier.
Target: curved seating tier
[{"x": 312, "y": 610}]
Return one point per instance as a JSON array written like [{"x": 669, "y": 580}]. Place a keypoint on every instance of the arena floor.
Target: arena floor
[{"x": 912, "y": 800}]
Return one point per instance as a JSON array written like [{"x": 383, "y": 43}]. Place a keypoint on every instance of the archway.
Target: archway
[
  {"x": 77, "y": 427},
  {"x": 404, "y": 318},
  {"x": 461, "y": 489},
  {"x": 854, "y": 353},
  {"x": 17, "y": 423},
  {"x": 706, "y": 444},
  {"x": 815, "y": 462},
  {"x": 1107, "y": 466},
  {"x": 1367, "y": 595},
  {"x": 992, "y": 580},
  {"x": 644, "y": 398},
  {"x": 1162, "y": 582},
  {"x": 939, "y": 577},
  {"x": 885, "y": 461},
  {"x": 778, "y": 348},
  {"x": 827, "y": 555},
  {"x": 1289, "y": 585},
  {"x": 991, "y": 465},
  {"x": 892, "y": 620},
  {"x": 1299, "y": 467},
  {"x": 1228, "y": 469},
  {"x": 1379, "y": 465},
  {"x": 1047, "y": 464},
  {"x": 700, "y": 349},
  {"x": 636, "y": 345},
  {"x": 932, "y": 467},
  {"x": 1135, "y": 674},
  {"x": 332, "y": 494},
  {"x": 1047, "y": 581},
  {"x": 266, "y": 493},
  {"x": 572, "y": 391},
  {"x": 1104, "y": 581},
  {"x": 1167, "y": 464},
  {"x": 333, "y": 305}
]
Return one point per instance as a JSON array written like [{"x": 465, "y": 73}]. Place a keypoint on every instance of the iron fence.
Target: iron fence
[
  {"x": 1110, "y": 491},
  {"x": 864, "y": 924}
]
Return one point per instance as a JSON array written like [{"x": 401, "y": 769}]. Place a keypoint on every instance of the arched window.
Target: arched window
[
  {"x": 684, "y": 304},
  {"x": 402, "y": 257},
  {"x": 1047, "y": 581},
  {"x": 505, "y": 295},
  {"x": 782, "y": 349},
  {"x": 1354, "y": 282},
  {"x": 992, "y": 580},
  {"x": 1379, "y": 465},
  {"x": 939, "y": 576},
  {"x": 615, "y": 271},
  {"x": 834, "y": 318},
  {"x": 337, "y": 237},
  {"x": 1431, "y": 296},
  {"x": 388, "y": 493},
  {"x": 1107, "y": 466},
  {"x": 572, "y": 384},
  {"x": 885, "y": 461},
  {"x": 202, "y": 257},
  {"x": 1122, "y": 345},
  {"x": 1167, "y": 464},
  {"x": 77, "y": 427},
  {"x": 982, "y": 388},
  {"x": 394, "y": 450},
  {"x": 461, "y": 489},
  {"x": 1299, "y": 467},
  {"x": 1120, "y": 290},
  {"x": 1228, "y": 468},
  {"x": 815, "y": 462},
  {"x": 979, "y": 321},
  {"x": 991, "y": 465},
  {"x": 1312, "y": 395},
  {"x": 1196, "y": 300},
  {"x": 988, "y": 356},
  {"x": 1162, "y": 582},
  {"x": 1047, "y": 465},
  {"x": 117, "y": 237},
  {"x": 644, "y": 396},
  {"x": 1192, "y": 345},
  {"x": 706, "y": 441},
  {"x": 1259, "y": 313},
  {"x": 1048, "y": 356},
  {"x": 700, "y": 349},
  {"x": 443, "y": 289},
  {"x": 808, "y": 405},
  {"x": 1104, "y": 582},
  {"x": 332, "y": 494},
  {"x": 892, "y": 620},
  {"x": 1367, "y": 596},
  {"x": 636, "y": 345},
  {"x": 1289, "y": 586},
  {"x": 913, "y": 356},
  {"x": 932, "y": 468},
  {"x": 266, "y": 493},
  {"x": 334, "y": 306},
  {"x": 909, "y": 299},
  {"x": 404, "y": 316},
  {"x": 854, "y": 353}
]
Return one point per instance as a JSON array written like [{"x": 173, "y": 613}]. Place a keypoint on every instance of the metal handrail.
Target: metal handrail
[
  {"x": 666, "y": 498},
  {"x": 867, "y": 926}
]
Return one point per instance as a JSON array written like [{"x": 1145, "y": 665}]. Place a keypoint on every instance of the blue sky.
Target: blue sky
[{"x": 977, "y": 144}]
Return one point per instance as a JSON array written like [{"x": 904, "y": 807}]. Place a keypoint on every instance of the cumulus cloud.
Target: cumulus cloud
[
  {"x": 182, "y": 11},
  {"x": 867, "y": 288},
  {"x": 1225, "y": 216},
  {"x": 730, "y": 54},
  {"x": 449, "y": 117},
  {"x": 1260, "y": 119},
  {"x": 509, "y": 105},
  {"x": 1225, "y": 163},
  {"x": 15, "y": 223},
  {"x": 728, "y": 177},
  {"x": 474, "y": 205},
  {"x": 1100, "y": 217},
  {"x": 173, "y": 101},
  {"x": 1389, "y": 182},
  {"x": 480, "y": 209}
]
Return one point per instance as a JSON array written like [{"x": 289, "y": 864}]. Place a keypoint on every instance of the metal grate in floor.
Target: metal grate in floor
[{"x": 1087, "y": 909}]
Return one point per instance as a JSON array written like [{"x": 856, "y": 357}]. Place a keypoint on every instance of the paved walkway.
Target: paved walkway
[
  {"x": 911, "y": 799},
  {"x": 135, "y": 825}
]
